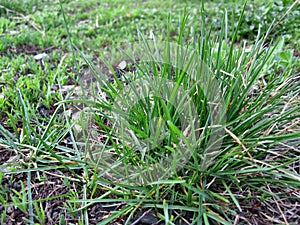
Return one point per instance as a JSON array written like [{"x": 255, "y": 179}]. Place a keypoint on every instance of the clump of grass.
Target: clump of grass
[
  {"x": 164, "y": 107},
  {"x": 259, "y": 95}
]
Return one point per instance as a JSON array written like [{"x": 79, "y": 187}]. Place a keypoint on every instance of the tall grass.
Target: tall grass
[
  {"x": 197, "y": 130},
  {"x": 256, "y": 101}
]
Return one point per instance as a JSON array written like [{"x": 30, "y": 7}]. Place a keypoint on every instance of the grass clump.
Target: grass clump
[
  {"x": 257, "y": 112},
  {"x": 201, "y": 131}
]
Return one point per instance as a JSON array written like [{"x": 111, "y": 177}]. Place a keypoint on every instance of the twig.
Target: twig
[
  {"x": 141, "y": 217},
  {"x": 281, "y": 212}
]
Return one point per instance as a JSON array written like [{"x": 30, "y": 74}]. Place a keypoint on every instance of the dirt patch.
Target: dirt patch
[{"x": 52, "y": 195}]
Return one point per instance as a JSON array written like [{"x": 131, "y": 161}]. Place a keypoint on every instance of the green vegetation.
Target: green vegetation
[{"x": 52, "y": 172}]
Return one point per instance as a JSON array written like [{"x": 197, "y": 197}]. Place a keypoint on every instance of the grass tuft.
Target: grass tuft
[{"x": 183, "y": 121}]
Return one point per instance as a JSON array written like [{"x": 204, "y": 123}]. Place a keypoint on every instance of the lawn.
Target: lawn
[{"x": 149, "y": 112}]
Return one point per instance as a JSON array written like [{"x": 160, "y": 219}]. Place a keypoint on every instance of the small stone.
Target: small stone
[
  {"x": 9, "y": 210},
  {"x": 122, "y": 65},
  {"x": 40, "y": 56},
  {"x": 55, "y": 215}
]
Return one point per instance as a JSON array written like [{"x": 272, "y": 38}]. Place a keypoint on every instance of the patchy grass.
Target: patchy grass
[{"x": 47, "y": 179}]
